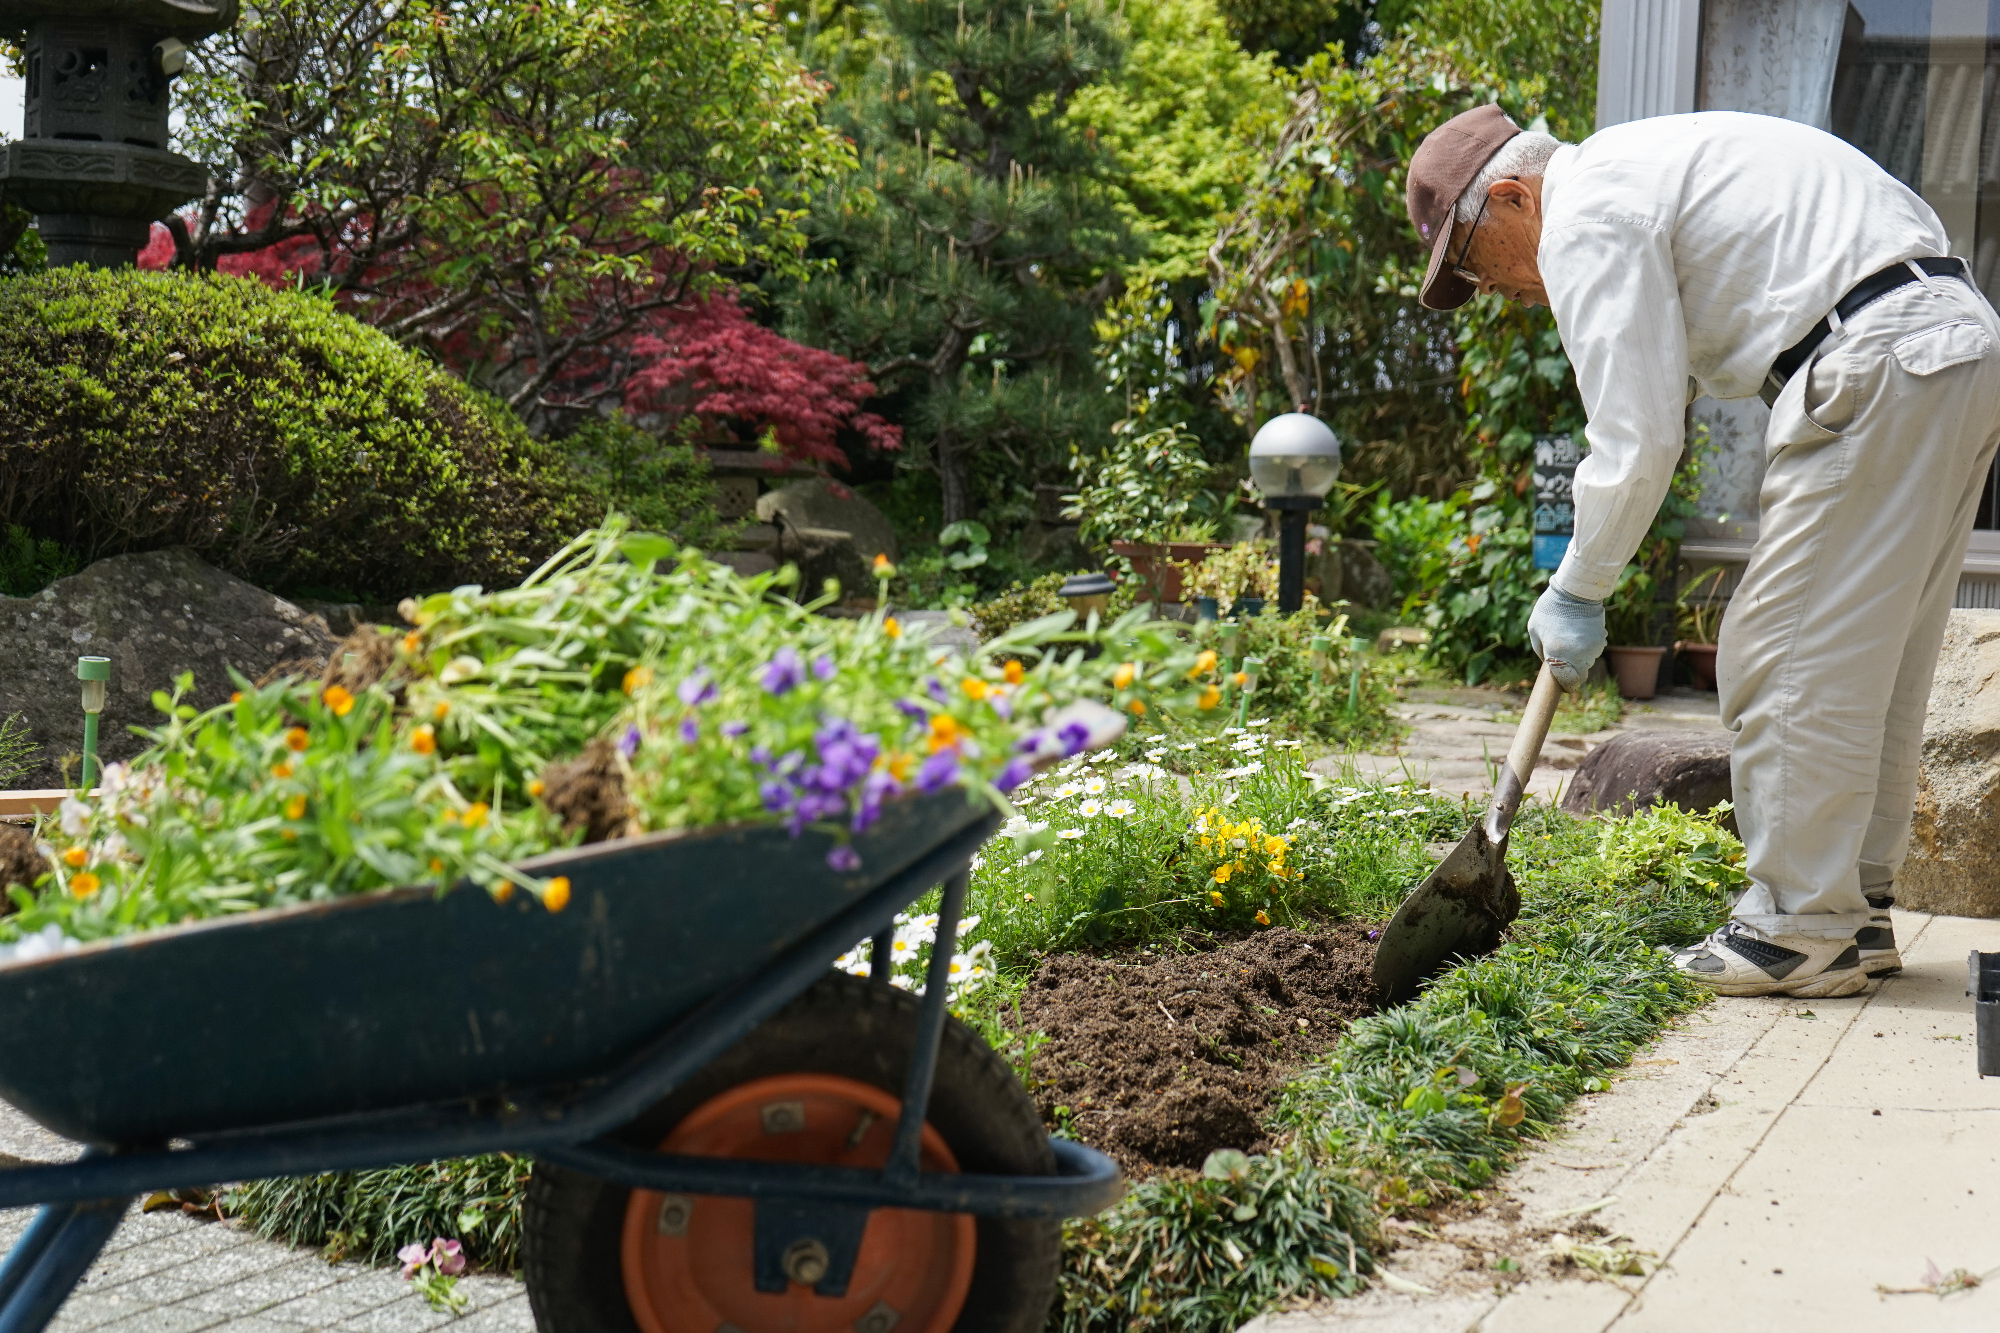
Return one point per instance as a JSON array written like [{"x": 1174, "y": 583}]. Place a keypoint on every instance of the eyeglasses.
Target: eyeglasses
[{"x": 1458, "y": 265}]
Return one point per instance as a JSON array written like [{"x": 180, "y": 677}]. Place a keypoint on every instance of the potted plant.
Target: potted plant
[
  {"x": 1147, "y": 497},
  {"x": 1229, "y": 580},
  {"x": 1628, "y": 622},
  {"x": 1697, "y": 617}
]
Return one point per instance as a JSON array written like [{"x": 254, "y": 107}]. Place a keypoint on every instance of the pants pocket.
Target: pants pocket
[{"x": 1815, "y": 405}]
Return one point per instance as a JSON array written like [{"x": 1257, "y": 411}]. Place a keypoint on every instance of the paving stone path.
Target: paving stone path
[{"x": 167, "y": 1273}]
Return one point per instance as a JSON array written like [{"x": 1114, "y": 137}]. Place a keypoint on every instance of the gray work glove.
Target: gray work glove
[{"x": 1568, "y": 633}]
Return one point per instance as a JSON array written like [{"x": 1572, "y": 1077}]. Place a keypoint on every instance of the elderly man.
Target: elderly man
[{"x": 1739, "y": 255}]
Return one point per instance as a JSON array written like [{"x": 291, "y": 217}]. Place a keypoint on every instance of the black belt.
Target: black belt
[{"x": 1870, "y": 288}]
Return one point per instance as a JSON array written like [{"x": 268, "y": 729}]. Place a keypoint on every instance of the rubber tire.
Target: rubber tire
[{"x": 572, "y": 1223}]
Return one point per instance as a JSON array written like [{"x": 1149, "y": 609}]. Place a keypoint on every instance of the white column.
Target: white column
[{"x": 1647, "y": 59}]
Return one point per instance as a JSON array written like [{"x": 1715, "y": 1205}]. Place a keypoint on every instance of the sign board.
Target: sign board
[{"x": 1556, "y": 457}]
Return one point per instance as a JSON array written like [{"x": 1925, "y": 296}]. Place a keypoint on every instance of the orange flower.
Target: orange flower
[
  {"x": 944, "y": 731},
  {"x": 1263, "y": 919},
  {"x": 475, "y": 814},
  {"x": 503, "y": 890},
  {"x": 1210, "y": 697},
  {"x": 900, "y": 764},
  {"x": 281, "y": 770},
  {"x": 296, "y": 807},
  {"x": 1203, "y": 663},
  {"x": 555, "y": 895},
  {"x": 1241, "y": 678},
  {"x": 296, "y": 739},
  {"x": 884, "y": 567},
  {"x": 1014, "y": 672},
  {"x": 974, "y": 687},
  {"x": 447, "y": 816},
  {"x": 437, "y": 866},
  {"x": 411, "y": 642},
  {"x": 84, "y": 885},
  {"x": 1216, "y": 898},
  {"x": 535, "y": 787},
  {"x": 288, "y": 835},
  {"x": 75, "y": 858},
  {"x": 337, "y": 698},
  {"x": 236, "y": 696},
  {"x": 1122, "y": 677},
  {"x": 1138, "y": 707},
  {"x": 424, "y": 740},
  {"x": 638, "y": 678},
  {"x": 893, "y": 627},
  {"x": 439, "y": 709}
]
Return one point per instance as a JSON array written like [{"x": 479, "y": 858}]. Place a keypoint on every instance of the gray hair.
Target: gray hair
[{"x": 1526, "y": 154}]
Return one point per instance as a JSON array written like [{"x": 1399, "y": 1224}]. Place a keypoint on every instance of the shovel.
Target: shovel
[{"x": 1470, "y": 898}]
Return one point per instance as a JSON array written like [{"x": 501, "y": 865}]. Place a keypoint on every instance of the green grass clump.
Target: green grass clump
[{"x": 368, "y": 1215}]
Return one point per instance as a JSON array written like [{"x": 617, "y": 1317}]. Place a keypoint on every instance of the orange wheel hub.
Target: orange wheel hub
[{"x": 689, "y": 1259}]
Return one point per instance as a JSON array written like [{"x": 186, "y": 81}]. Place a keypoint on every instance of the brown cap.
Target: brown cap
[{"x": 1440, "y": 170}]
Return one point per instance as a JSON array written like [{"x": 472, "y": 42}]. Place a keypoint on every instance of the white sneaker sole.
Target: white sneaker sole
[
  {"x": 1881, "y": 962},
  {"x": 1819, "y": 986}
]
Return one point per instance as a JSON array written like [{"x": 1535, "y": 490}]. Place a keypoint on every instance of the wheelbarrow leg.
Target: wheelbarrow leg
[
  {"x": 903, "y": 1164},
  {"x": 882, "y": 960},
  {"x": 51, "y": 1258}
]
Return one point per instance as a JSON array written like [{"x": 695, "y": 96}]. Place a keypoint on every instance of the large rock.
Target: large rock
[
  {"x": 1363, "y": 580},
  {"x": 154, "y": 615},
  {"x": 1638, "y": 769},
  {"x": 820, "y": 503},
  {"x": 1954, "y": 862}
]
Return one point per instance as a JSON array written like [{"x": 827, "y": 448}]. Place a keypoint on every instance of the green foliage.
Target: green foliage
[
  {"x": 270, "y": 434},
  {"x": 968, "y": 245},
  {"x": 1245, "y": 569},
  {"x": 18, "y": 751},
  {"x": 1249, "y": 1234},
  {"x": 27, "y": 566},
  {"x": 21, "y": 248},
  {"x": 1023, "y": 602},
  {"x": 368, "y": 1215},
  {"x": 662, "y": 486},
  {"x": 1147, "y": 486},
  {"x": 1313, "y": 702},
  {"x": 1549, "y": 45},
  {"x": 1466, "y": 574},
  {"x": 1678, "y": 850},
  {"x": 1104, "y": 855},
  {"x": 1184, "y": 119},
  {"x": 517, "y": 182}
]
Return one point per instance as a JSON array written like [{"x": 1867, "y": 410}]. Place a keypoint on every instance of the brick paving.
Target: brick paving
[{"x": 167, "y": 1273}]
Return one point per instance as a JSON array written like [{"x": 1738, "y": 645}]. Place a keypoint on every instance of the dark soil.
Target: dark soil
[
  {"x": 588, "y": 793},
  {"x": 1163, "y": 1058},
  {"x": 20, "y": 863}
]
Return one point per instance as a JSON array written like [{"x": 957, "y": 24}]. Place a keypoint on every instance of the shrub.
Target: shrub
[
  {"x": 1023, "y": 602},
  {"x": 26, "y": 565},
  {"x": 270, "y": 434},
  {"x": 661, "y": 485}
]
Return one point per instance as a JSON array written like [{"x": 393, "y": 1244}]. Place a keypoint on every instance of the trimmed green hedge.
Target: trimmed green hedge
[{"x": 271, "y": 434}]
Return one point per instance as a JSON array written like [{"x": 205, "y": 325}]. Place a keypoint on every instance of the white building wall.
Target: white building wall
[{"x": 1647, "y": 58}]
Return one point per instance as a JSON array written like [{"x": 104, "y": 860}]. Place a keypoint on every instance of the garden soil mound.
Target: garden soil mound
[{"x": 1162, "y": 1059}]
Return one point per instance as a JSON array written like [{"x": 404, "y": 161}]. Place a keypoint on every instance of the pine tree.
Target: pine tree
[{"x": 974, "y": 241}]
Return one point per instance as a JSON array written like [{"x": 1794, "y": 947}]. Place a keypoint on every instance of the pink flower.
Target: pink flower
[
  {"x": 413, "y": 1257},
  {"x": 448, "y": 1256}
]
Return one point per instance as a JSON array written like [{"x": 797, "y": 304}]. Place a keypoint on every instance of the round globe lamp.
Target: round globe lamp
[{"x": 1294, "y": 462}]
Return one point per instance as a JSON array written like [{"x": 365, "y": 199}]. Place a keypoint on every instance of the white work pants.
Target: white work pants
[{"x": 1876, "y": 457}]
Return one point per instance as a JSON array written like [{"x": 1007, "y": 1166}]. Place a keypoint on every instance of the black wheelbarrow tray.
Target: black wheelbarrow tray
[{"x": 728, "y": 1135}]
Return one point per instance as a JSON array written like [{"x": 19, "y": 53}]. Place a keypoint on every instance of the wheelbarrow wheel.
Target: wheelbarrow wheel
[{"x": 603, "y": 1258}]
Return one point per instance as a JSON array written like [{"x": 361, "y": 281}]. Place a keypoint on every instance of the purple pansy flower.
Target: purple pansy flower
[
  {"x": 1074, "y": 736},
  {"x": 734, "y": 729},
  {"x": 784, "y": 671},
  {"x": 824, "y": 667},
  {"x": 844, "y": 859},
  {"x": 938, "y": 771},
  {"x": 935, "y": 688},
  {"x": 1018, "y": 771},
  {"x": 876, "y": 788},
  {"x": 628, "y": 744},
  {"x": 913, "y": 710},
  {"x": 698, "y": 689},
  {"x": 690, "y": 732}
]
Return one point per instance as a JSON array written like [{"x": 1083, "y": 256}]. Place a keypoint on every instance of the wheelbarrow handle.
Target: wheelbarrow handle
[{"x": 1522, "y": 756}]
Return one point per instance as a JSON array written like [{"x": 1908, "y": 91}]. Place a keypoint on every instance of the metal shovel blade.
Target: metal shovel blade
[{"x": 1463, "y": 906}]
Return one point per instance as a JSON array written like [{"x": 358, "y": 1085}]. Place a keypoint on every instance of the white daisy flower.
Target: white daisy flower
[
  {"x": 1033, "y": 857},
  {"x": 1188, "y": 745},
  {"x": 1121, "y": 809},
  {"x": 1095, "y": 787},
  {"x": 1070, "y": 834},
  {"x": 1155, "y": 756},
  {"x": 1287, "y": 745},
  {"x": 1069, "y": 789},
  {"x": 1090, "y": 809},
  {"x": 1258, "y": 722}
]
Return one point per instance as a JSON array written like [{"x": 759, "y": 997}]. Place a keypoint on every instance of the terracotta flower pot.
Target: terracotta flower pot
[
  {"x": 1637, "y": 671},
  {"x": 1700, "y": 658},
  {"x": 1150, "y": 563}
]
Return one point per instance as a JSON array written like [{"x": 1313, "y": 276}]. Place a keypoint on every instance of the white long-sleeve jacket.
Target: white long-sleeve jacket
[{"x": 1696, "y": 247}]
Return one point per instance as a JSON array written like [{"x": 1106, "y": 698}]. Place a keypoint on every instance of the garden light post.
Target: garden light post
[
  {"x": 1088, "y": 595},
  {"x": 1252, "y": 668},
  {"x": 1294, "y": 462},
  {"x": 1319, "y": 652},
  {"x": 93, "y": 672},
  {"x": 92, "y": 163}
]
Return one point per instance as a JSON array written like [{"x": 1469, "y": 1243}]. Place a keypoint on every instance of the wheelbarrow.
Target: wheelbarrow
[{"x": 727, "y": 1135}]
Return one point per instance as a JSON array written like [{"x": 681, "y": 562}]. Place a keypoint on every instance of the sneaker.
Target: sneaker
[
  {"x": 1737, "y": 960},
  {"x": 1877, "y": 939}
]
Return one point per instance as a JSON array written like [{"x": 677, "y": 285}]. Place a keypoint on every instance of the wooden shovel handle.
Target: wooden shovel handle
[{"x": 1521, "y": 758}]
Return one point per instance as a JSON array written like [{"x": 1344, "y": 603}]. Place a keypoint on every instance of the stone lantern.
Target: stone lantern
[{"x": 93, "y": 165}]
